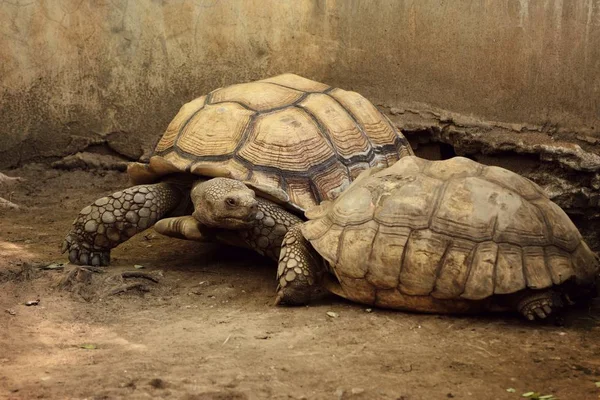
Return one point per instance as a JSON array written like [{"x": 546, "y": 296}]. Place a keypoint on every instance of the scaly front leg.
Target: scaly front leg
[
  {"x": 113, "y": 219},
  {"x": 299, "y": 269}
]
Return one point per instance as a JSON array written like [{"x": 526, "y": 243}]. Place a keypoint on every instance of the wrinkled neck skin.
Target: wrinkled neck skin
[
  {"x": 184, "y": 183},
  {"x": 271, "y": 223}
]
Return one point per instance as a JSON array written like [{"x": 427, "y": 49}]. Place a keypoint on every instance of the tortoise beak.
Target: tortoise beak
[{"x": 253, "y": 211}]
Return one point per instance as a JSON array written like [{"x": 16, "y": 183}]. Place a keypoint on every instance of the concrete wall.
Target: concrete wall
[{"x": 111, "y": 74}]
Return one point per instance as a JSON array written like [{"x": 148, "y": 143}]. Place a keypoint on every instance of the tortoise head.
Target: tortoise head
[{"x": 224, "y": 203}]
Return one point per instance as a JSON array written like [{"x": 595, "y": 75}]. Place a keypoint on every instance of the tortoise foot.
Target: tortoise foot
[
  {"x": 538, "y": 305},
  {"x": 113, "y": 219},
  {"x": 295, "y": 293},
  {"x": 81, "y": 253}
]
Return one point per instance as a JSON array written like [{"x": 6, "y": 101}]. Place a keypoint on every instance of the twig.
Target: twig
[
  {"x": 226, "y": 340},
  {"x": 131, "y": 286},
  {"x": 139, "y": 274}
]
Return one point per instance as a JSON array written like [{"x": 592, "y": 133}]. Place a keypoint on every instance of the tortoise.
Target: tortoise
[
  {"x": 294, "y": 141},
  {"x": 450, "y": 236}
]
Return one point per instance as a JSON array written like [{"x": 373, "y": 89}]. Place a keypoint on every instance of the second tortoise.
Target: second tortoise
[{"x": 448, "y": 236}]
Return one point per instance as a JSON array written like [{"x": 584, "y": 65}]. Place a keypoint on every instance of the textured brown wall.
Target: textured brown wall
[{"x": 113, "y": 73}]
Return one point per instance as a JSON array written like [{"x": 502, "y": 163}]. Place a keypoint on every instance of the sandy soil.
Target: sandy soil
[{"x": 207, "y": 329}]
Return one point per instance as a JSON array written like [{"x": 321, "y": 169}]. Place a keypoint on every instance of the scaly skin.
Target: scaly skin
[
  {"x": 299, "y": 269},
  {"x": 113, "y": 219},
  {"x": 271, "y": 225}
]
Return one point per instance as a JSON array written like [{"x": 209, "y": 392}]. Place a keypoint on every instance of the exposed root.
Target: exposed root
[
  {"x": 131, "y": 286},
  {"x": 139, "y": 274}
]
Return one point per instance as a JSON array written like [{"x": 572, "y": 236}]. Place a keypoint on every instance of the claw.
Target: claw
[
  {"x": 530, "y": 316},
  {"x": 73, "y": 256},
  {"x": 547, "y": 309},
  {"x": 278, "y": 298},
  {"x": 539, "y": 312}
]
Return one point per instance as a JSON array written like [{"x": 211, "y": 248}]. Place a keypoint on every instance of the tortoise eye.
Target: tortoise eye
[{"x": 230, "y": 201}]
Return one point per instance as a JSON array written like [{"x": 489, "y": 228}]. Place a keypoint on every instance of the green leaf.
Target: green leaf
[
  {"x": 510, "y": 390},
  {"x": 88, "y": 346}
]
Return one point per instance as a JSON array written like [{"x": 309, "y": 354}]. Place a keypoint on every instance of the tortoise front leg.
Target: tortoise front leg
[
  {"x": 298, "y": 270},
  {"x": 113, "y": 219}
]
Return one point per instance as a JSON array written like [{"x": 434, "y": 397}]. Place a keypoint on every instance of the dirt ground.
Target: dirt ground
[{"x": 208, "y": 330}]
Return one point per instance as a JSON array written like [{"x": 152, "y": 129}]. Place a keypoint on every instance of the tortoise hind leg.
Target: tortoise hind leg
[
  {"x": 298, "y": 270},
  {"x": 113, "y": 219},
  {"x": 538, "y": 304}
]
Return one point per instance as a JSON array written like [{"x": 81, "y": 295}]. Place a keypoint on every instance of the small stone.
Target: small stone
[
  {"x": 357, "y": 390},
  {"x": 369, "y": 310},
  {"x": 262, "y": 337},
  {"x": 33, "y": 302},
  {"x": 138, "y": 266},
  {"x": 332, "y": 314},
  {"x": 11, "y": 311}
]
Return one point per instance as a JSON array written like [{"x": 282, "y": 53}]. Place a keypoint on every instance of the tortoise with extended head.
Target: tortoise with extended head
[
  {"x": 439, "y": 236},
  {"x": 293, "y": 140}
]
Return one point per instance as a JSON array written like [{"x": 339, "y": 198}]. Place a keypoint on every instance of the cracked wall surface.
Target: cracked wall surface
[{"x": 90, "y": 74}]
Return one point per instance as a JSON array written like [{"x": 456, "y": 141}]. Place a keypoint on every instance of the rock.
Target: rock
[{"x": 91, "y": 161}]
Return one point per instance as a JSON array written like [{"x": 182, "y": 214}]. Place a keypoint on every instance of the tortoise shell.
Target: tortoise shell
[
  {"x": 451, "y": 229},
  {"x": 287, "y": 132}
]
